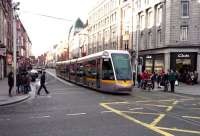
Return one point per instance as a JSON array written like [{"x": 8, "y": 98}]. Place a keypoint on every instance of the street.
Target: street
[{"x": 71, "y": 110}]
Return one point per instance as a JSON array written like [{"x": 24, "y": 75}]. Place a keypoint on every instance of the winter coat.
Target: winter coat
[{"x": 10, "y": 79}]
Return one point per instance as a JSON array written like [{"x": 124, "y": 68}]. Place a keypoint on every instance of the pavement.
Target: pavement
[
  {"x": 5, "y": 99},
  {"x": 183, "y": 88}
]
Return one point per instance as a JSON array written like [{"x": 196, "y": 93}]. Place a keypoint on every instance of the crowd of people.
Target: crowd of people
[
  {"x": 23, "y": 81},
  {"x": 165, "y": 79},
  {"x": 189, "y": 77}
]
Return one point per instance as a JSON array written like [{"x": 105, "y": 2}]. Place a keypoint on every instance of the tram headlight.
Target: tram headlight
[{"x": 105, "y": 54}]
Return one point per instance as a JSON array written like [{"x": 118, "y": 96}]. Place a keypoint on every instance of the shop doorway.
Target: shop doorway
[{"x": 183, "y": 65}]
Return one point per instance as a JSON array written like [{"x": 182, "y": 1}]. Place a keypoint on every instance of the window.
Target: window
[
  {"x": 159, "y": 15},
  {"x": 147, "y": 2},
  {"x": 149, "y": 39},
  {"x": 122, "y": 66},
  {"x": 184, "y": 33},
  {"x": 159, "y": 38},
  {"x": 142, "y": 22},
  {"x": 150, "y": 19},
  {"x": 107, "y": 70},
  {"x": 185, "y": 8}
]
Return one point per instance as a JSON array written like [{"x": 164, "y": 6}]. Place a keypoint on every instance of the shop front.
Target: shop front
[
  {"x": 183, "y": 61},
  {"x": 153, "y": 63}
]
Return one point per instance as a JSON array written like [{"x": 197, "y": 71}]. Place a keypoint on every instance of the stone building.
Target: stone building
[
  {"x": 168, "y": 34},
  {"x": 6, "y": 38}
]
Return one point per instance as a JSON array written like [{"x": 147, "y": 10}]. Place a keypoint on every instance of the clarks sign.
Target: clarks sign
[{"x": 181, "y": 55}]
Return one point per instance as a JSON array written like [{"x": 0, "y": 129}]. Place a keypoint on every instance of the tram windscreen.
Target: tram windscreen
[{"x": 122, "y": 66}]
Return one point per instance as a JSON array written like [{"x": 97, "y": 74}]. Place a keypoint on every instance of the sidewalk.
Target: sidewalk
[
  {"x": 5, "y": 99},
  {"x": 185, "y": 89}
]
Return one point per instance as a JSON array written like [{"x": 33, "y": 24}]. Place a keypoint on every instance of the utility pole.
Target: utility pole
[
  {"x": 136, "y": 52},
  {"x": 14, "y": 18}
]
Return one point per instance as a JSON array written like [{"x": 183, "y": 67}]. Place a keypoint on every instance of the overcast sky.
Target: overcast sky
[{"x": 45, "y": 32}]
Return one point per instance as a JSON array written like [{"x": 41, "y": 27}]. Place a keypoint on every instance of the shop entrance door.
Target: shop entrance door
[{"x": 183, "y": 65}]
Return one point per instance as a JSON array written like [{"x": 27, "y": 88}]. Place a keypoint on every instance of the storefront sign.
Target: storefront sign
[
  {"x": 149, "y": 57},
  {"x": 181, "y": 55},
  {"x": 2, "y": 51}
]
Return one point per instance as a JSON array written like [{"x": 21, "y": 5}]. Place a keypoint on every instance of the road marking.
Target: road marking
[
  {"x": 76, "y": 114},
  {"x": 106, "y": 111},
  {"x": 136, "y": 109},
  {"x": 132, "y": 112},
  {"x": 63, "y": 81},
  {"x": 179, "y": 130},
  {"x": 155, "y": 101},
  {"x": 116, "y": 102},
  {"x": 191, "y": 117},
  {"x": 171, "y": 107},
  {"x": 105, "y": 105},
  {"x": 39, "y": 117},
  {"x": 4, "y": 119},
  {"x": 157, "y": 120}
]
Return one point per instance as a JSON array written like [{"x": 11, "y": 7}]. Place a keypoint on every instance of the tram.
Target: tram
[{"x": 107, "y": 71}]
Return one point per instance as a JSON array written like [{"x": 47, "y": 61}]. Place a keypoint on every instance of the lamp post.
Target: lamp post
[
  {"x": 136, "y": 53},
  {"x": 137, "y": 41},
  {"x": 14, "y": 9}
]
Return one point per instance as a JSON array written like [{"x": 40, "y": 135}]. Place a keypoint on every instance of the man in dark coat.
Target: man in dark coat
[
  {"x": 172, "y": 79},
  {"x": 42, "y": 83},
  {"x": 10, "y": 82}
]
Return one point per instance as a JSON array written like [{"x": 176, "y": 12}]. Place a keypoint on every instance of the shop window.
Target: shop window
[
  {"x": 159, "y": 65},
  {"x": 149, "y": 65}
]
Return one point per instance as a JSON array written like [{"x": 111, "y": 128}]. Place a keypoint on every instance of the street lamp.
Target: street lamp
[
  {"x": 137, "y": 41},
  {"x": 14, "y": 9}
]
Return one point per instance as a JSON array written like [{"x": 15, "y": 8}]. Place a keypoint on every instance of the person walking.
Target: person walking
[
  {"x": 18, "y": 82},
  {"x": 172, "y": 79},
  {"x": 42, "y": 83},
  {"x": 10, "y": 82}
]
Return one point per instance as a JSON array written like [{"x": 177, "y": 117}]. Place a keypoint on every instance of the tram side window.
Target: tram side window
[
  {"x": 80, "y": 70},
  {"x": 67, "y": 70},
  {"x": 72, "y": 71},
  {"x": 91, "y": 69},
  {"x": 107, "y": 70}
]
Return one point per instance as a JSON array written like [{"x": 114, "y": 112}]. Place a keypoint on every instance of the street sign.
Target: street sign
[{"x": 2, "y": 51}]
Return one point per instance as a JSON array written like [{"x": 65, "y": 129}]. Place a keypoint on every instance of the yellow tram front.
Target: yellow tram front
[{"x": 117, "y": 72}]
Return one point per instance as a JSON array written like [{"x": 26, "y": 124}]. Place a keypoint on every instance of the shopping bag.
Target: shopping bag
[{"x": 176, "y": 83}]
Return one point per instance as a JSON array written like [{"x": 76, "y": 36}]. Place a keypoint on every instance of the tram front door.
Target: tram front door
[{"x": 98, "y": 73}]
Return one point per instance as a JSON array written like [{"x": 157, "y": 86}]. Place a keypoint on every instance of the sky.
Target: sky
[{"x": 44, "y": 32}]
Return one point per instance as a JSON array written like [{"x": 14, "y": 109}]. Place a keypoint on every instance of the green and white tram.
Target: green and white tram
[{"x": 108, "y": 71}]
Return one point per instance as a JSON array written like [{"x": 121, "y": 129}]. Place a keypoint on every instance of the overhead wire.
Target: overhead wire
[{"x": 45, "y": 15}]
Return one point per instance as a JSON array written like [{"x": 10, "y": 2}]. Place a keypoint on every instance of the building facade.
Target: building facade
[
  {"x": 74, "y": 39},
  {"x": 104, "y": 26},
  {"x": 165, "y": 33},
  {"x": 6, "y": 37},
  {"x": 168, "y": 34},
  {"x": 23, "y": 44}
]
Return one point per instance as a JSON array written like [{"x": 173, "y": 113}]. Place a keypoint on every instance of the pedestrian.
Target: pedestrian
[
  {"x": 134, "y": 78},
  {"x": 18, "y": 82},
  {"x": 172, "y": 79},
  {"x": 42, "y": 83},
  {"x": 10, "y": 82},
  {"x": 139, "y": 80},
  {"x": 153, "y": 79}
]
